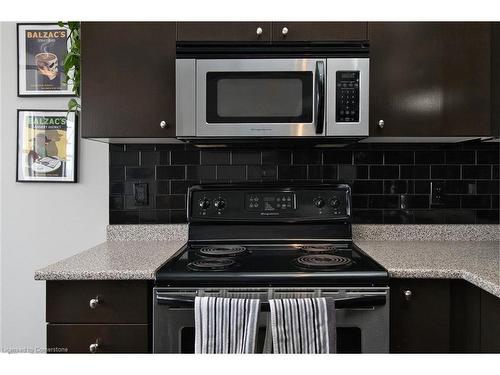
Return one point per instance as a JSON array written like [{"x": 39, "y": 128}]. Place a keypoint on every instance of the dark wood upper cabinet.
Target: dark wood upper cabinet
[
  {"x": 128, "y": 79},
  {"x": 430, "y": 79},
  {"x": 495, "y": 78},
  {"x": 224, "y": 31},
  {"x": 319, "y": 31}
]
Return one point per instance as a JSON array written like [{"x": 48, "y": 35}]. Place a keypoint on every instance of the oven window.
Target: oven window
[
  {"x": 259, "y": 97},
  {"x": 348, "y": 340}
]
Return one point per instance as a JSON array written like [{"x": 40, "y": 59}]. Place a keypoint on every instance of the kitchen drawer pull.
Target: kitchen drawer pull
[
  {"x": 408, "y": 294},
  {"x": 259, "y": 31},
  {"x": 94, "y": 302},
  {"x": 93, "y": 348},
  {"x": 284, "y": 31}
]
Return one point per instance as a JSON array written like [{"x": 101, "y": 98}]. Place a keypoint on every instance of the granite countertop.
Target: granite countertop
[
  {"x": 135, "y": 252},
  {"x": 477, "y": 262},
  {"x": 113, "y": 260}
]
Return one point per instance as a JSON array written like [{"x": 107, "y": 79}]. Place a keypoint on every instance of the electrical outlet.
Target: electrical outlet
[
  {"x": 141, "y": 194},
  {"x": 437, "y": 193}
]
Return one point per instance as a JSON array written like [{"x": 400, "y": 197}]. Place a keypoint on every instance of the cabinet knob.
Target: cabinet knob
[
  {"x": 284, "y": 31},
  {"x": 94, "y": 302},
  {"x": 93, "y": 348},
  {"x": 381, "y": 124},
  {"x": 259, "y": 31},
  {"x": 408, "y": 294},
  {"x": 163, "y": 124}
]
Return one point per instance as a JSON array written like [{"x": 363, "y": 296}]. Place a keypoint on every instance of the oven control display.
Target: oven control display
[{"x": 270, "y": 202}]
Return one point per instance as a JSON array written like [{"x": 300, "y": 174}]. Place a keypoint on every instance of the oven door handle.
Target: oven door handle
[
  {"x": 320, "y": 96},
  {"x": 342, "y": 303}
]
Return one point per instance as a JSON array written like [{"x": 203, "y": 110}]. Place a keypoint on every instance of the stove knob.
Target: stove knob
[
  {"x": 204, "y": 203},
  {"x": 334, "y": 202},
  {"x": 220, "y": 204},
  {"x": 319, "y": 202}
]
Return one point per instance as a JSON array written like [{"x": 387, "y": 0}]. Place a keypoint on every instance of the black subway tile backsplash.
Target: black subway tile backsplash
[
  {"x": 216, "y": 157},
  {"x": 233, "y": 173},
  {"x": 449, "y": 172},
  {"x": 476, "y": 171},
  {"x": 399, "y": 157},
  {"x": 384, "y": 172},
  {"x": 415, "y": 172},
  {"x": 170, "y": 172},
  {"x": 201, "y": 172},
  {"x": 391, "y": 183},
  {"x": 429, "y": 157}
]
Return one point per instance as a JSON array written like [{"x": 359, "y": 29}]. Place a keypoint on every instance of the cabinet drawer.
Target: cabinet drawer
[
  {"x": 118, "y": 302},
  {"x": 110, "y": 338}
]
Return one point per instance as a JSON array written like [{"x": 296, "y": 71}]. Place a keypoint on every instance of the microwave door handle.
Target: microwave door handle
[{"x": 320, "y": 96}]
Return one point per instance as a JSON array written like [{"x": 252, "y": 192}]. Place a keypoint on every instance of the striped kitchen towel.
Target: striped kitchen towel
[
  {"x": 303, "y": 325},
  {"x": 225, "y": 325}
]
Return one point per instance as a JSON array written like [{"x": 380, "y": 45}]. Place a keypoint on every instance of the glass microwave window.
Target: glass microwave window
[{"x": 259, "y": 97}]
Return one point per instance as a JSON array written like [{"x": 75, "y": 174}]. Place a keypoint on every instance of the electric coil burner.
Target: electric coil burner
[
  {"x": 214, "y": 264},
  {"x": 272, "y": 242},
  {"x": 321, "y": 261},
  {"x": 222, "y": 251}
]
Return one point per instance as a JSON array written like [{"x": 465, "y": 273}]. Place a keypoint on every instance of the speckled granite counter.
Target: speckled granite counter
[
  {"x": 120, "y": 260},
  {"x": 136, "y": 251},
  {"x": 477, "y": 262}
]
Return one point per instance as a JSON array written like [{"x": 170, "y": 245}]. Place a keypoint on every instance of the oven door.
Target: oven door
[
  {"x": 362, "y": 317},
  {"x": 260, "y": 97}
]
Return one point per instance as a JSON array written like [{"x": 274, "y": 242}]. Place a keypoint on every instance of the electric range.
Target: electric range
[{"x": 269, "y": 241}]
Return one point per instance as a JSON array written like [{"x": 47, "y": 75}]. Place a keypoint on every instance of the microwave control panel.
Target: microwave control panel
[{"x": 347, "y": 96}]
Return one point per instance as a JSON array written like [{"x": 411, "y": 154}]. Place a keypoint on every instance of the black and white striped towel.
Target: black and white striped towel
[
  {"x": 303, "y": 325},
  {"x": 225, "y": 325}
]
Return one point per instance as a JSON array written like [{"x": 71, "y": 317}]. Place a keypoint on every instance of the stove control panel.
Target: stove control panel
[
  {"x": 218, "y": 202},
  {"x": 270, "y": 202}
]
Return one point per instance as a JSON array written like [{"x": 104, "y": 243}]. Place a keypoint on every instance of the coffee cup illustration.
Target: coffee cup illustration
[{"x": 47, "y": 64}]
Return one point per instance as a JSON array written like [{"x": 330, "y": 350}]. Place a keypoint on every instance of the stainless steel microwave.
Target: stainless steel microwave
[{"x": 272, "y": 97}]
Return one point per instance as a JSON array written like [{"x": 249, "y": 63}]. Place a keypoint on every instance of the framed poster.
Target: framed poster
[
  {"x": 41, "y": 49},
  {"x": 46, "y": 146}
]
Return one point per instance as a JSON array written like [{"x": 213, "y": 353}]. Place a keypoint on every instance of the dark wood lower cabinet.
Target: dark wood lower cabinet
[
  {"x": 420, "y": 316},
  {"x": 490, "y": 323},
  {"x": 87, "y": 316},
  {"x": 98, "y": 338},
  {"x": 443, "y": 316},
  {"x": 427, "y": 316}
]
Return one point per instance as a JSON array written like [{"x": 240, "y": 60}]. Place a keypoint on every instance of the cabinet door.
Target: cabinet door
[
  {"x": 430, "y": 79},
  {"x": 420, "y": 316},
  {"x": 490, "y": 323},
  {"x": 224, "y": 31},
  {"x": 319, "y": 31},
  {"x": 128, "y": 79}
]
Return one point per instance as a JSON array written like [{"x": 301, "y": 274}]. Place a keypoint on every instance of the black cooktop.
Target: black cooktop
[{"x": 271, "y": 264}]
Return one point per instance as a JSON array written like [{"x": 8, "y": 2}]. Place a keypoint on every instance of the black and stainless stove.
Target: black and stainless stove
[
  {"x": 271, "y": 264},
  {"x": 272, "y": 242}
]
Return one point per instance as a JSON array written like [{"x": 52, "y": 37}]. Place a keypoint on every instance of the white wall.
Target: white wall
[{"x": 40, "y": 223}]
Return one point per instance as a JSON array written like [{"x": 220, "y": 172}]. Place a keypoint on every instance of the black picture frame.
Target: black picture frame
[
  {"x": 23, "y": 93},
  {"x": 76, "y": 140}
]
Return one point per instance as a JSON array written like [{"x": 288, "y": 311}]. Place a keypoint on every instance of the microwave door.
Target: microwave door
[
  {"x": 260, "y": 97},
  {"x": 348, "y": 95}
]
